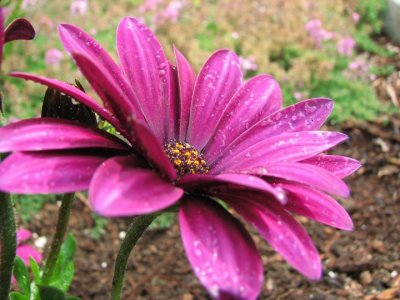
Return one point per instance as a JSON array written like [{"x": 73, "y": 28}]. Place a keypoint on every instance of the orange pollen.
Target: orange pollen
[{"x": 185, "y": 158}]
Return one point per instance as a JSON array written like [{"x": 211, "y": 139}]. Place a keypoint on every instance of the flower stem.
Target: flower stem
[
  {"x": 135, "y": 231},
  {"x": 8, "y": 243},
  {"x": 61, "y": 229}
]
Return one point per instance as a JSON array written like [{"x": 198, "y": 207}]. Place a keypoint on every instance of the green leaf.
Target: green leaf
[
  {"x": 18, "y": 296},
  {"x": 21, "y": 274},
  {"x": 35, "y": 270},
  {"x": 51, "y": 293},
  {"x": 64, "y": 280},
  {"x": 64, "y": 268},
  {"x": 73, "y": 298}
]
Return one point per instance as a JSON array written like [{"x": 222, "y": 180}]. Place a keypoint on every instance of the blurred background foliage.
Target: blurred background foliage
[{"x": 313, "y": 48}]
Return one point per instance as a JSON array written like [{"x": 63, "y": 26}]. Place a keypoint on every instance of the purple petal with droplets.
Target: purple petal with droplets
[
  {"x": 217, "y": 82},
  {"x": 75, "y": 93},
  {"x": 315, "y": 205},
  {"x": 121, "y": 188},
  {"x": 47, "y": 172},
  {"x": 221, "y": 252},
  {"x": 108, "y": 89},
  {"x": 305, "y": 174},
  {"x": 283, "y": 233},
  {"x": 288, "y": 147},
  {"x": 19, "y": 29},
  {"x": 51, "y": 134},
  {"x": 341, "y": 166},
  {"x": 256, "y": 99},
  {"x": 111, "y": 85},
  {"x": 153, "y": 150},
  {"x": 220, "y": 183},
  {"x": 146, "y": 67},
  {"x": 307, "y": 115},
  {"x": 186, "y": 79}
]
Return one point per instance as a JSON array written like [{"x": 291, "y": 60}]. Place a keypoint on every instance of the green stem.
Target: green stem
[
  {"x": 135, "y": 231},
  {"x": 8, "y": 243},
  {"x": 58, "y": 239}
]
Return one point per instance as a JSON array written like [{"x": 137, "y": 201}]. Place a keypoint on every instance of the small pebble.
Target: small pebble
[
  {"x": 40, "y": 242},
  {"x": 365, "y": 278}
]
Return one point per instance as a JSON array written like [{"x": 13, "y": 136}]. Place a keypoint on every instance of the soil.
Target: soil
[{"x": 362, "y": 264}]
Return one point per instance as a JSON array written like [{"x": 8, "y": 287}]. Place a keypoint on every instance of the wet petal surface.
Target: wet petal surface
[
  {"x": 122, "y": 188},
  {"x": 47, "y": 172},
  {"x": 221, "y": 252}
]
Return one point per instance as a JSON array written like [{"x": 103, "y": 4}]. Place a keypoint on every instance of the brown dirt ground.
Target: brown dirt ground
[{"x": 363, "y": 264}]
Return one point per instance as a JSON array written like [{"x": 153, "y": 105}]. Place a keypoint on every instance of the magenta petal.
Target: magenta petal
[
  {"x": 47, "y": 172},
  {"x": 256, "y": 99},
  {"x": 146, "y": 67},
  {"x": 187, "y": 78},
  {"x": 153, "y": 150},
  {"x": 107, "y": 87},
  {"x": 235, "y": 182},
  {"x": 217, "y": 82},
  {"x": 307, "y": 115},
  {"x": 121, "y": 188},
  {"x": 306, "y": 174},
  {"x": 19, "y": 29},
  {"x": 341, "y": 166},
  {"x": 25, "y": 252},
  {"x": 74, "y": 93},
  {"x": 51, "y": 134},
  {"x": 221, "y": 252},
  {"x": 101, "y": 71},
  {"x": 283, "y": 233},
  {"x": 316, "y": 205},
  {"x": 23, "y": 235},
  {"x": 287, "y": 147}
]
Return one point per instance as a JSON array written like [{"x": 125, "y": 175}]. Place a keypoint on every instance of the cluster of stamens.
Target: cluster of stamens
[{"x": 186, "y": 159}]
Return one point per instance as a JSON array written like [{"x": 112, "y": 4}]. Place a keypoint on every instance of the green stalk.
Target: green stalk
[
  {"x": 8, "y": 243},
  {"x": 135, "y": 231},
  {"x": 58, "y": 239}
]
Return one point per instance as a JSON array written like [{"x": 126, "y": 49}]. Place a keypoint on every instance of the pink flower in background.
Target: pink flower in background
[
  {"x": 171, "y": 13},
  {"x": 187, "y": 141},
  {"x": 26, "y": 251},
  {"x": 355, "y": 17},
  {"x": 79, "y": 7},
  {"x": 26, "y": 4},
  {"x": 317, "y": 33},
  {"x": 149, "y": 5},
  {"x": 53, "y": 57},
  {"x": 298, "y": 96},
  {"x": 248, "y": 64},
  {"x": 345, "y": 46}
]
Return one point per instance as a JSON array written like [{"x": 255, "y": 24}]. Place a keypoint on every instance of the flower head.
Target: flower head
[
  {"x": 53, "y": 57},
  {"x": 26, "y": 251},
  {"x": 317, "y": 33},
  {"x": 18, "y": 29},
  {"x": 190, "y": 141},
  {"x": 346, "y": 45},
  {"x": 79, "y": 7}
]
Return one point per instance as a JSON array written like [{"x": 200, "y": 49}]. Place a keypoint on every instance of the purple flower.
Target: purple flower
[
  {"x": 79, "y": 7},
  {"x": 346, "y": 45},
  {"x": 248, "y": 64},
  {"x": 53, "y": 57},
  {"x": 26, "y": 251},
  {"x": 190, "y": 141},
  {"x": 18, "y": 29},
  {"x": 317, "y": 33},
  {"x": 355, "y": 17}
]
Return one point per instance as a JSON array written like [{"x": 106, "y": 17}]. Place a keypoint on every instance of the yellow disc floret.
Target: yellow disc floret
[{"x": 186, "y": 159}]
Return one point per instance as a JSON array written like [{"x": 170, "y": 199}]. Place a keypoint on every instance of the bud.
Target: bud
[{"x": 61, "y": 106}]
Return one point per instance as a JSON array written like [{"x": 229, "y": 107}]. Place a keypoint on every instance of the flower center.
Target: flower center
[{"x": 186, "y": 159}]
